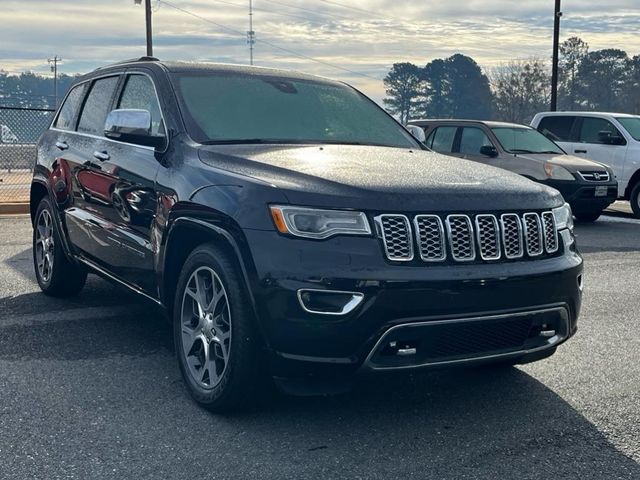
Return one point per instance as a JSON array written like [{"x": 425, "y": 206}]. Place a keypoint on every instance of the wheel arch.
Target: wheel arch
[
  {"x": 186, "y": 233},
  {"x": 38, "y": 191},
  {"x": 633, "y": 181}
]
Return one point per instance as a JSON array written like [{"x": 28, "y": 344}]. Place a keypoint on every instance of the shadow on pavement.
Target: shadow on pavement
[{"x": 466, "y": 423}]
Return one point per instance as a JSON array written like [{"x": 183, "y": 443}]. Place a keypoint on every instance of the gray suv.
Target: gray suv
[{"x": 589, "y": 187}]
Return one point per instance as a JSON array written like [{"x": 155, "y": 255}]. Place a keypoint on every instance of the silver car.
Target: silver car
[{"x": 589, "y": 187}]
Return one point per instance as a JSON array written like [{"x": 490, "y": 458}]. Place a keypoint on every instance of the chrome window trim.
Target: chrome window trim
[
  {"x": 443, "y": 244},
  {"x": 520, "y": 235},
  {"x": 526, "y": 233},
  {"x": 471, "y": 237},
  {"x": 380, "y": 228},
  {"x": 498, "y": 244},
  {"x": 119, "y": 73}
]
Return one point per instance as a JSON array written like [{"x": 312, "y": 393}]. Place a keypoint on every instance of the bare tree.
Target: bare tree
[{"x": 521, "y": 89}]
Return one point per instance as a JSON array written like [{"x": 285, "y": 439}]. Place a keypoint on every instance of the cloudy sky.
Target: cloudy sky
[{"x": 352, "y": 40}]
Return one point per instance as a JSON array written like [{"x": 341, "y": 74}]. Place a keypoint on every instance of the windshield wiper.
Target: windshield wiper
[
  {"x": 249, "y": 141},
  {"x": 544, "y": 152}
]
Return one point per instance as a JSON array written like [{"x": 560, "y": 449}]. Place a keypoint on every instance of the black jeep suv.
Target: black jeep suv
[{"x": 293, "y": 230}]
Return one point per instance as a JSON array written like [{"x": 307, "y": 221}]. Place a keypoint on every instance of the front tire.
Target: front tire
[
  {"x": 216, "y": 340},
  {"x": 56, "y": 274},
  {"x": 588, "y": 217},
  {"x": 634, "y": 200}
]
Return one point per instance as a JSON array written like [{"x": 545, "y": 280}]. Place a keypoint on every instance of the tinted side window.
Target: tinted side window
[
  {"x": 597, "y": 130},
  {"x": 557, "y": 129},
  {"x": 441, "y": 139},
  {"x": 139, "y": 93},
  {"x": 97, "y": 105},
  {"x": 472, "y": 140},
  {"x": 67, "y": 115}
]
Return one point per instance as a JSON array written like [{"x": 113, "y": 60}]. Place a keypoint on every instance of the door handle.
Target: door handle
[
  {"x": 102, "y": 156},
  {"x": 580, "y": 151},
  {"x": 62, "y": 145}
]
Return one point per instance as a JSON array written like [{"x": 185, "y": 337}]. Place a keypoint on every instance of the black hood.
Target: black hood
[{"x": 381, "y": 178}]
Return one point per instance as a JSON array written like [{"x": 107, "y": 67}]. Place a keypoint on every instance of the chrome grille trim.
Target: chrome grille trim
[
  {"x": 512, "y": 236},
  {"x": 488, "y": 236},
  {"x": 461, "y": 238},
  {"x": 593, "y": 176},
  {"x": 430, "y": 238},
  {"x": 465, "y": 238},
  {"x": 395, "y": 231},
  {"x": 550, "y": 232},
  {"x": 533, "y": 234}
]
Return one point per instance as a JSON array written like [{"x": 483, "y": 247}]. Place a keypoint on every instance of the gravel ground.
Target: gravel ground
[{"x": 89, "y": 389}]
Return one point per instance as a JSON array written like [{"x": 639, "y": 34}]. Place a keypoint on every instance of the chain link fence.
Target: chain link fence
[{"x": 20, "y": 129}]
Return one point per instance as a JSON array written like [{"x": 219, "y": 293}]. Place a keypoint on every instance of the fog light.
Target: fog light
[
  {"x": 580, "y": 283},
  {"x": 328, "y": 302}
]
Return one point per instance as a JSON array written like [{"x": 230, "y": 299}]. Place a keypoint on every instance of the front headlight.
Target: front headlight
[
  {"x": 319, "y": 224},
  {"x": 556, "y": 172},
  {"x": 564, "y": 217}
]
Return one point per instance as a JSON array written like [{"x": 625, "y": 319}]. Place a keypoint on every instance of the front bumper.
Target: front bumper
[
  {"x": 581, "y": 194},
  {"x": 303, "y": 343}
]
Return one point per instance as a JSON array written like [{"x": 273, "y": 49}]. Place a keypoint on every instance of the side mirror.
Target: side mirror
[
  {"x": 132, "y": 126},
  {"x": 489, "y": 151},
  {"x": 417, "y": 132}
]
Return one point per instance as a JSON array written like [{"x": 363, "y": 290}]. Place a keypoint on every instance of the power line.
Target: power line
[
  {"x": 257, "y": 9},
  {"x": 273, "y": 45},
  {"x": 362, "y": 10},
  {"x": 315, "y": 12}
]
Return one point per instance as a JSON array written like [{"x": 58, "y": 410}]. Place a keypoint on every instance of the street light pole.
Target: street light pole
[
  {"x": 147, "y": 15},
  {"x": 556, "y": 47}
]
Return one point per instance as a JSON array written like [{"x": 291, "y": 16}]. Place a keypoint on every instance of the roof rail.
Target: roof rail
[{"x": 131, "y": 60}]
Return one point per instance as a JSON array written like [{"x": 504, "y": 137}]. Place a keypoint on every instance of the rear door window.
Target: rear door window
[
  {"x": 472, "y": 140},
  {"x": 557, "y": 128},
  {"x": 442, "y": 139},
  {"x": 97, "y": 106},
  {"x": 597, "y": 130},
  {"x": 67, "y": 116}
]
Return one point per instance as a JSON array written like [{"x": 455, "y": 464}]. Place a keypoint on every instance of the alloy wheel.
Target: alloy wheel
[
  {"x": 205, "y": 325},
  {"x": 44, "y": 245}
]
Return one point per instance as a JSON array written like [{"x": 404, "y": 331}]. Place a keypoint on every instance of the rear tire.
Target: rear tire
[
  {"x": 57, "y": 275},
  {"x": 588, "y": 217},
  {"x": 634, "y": 200},
  {"x": 216, "y": 339}
]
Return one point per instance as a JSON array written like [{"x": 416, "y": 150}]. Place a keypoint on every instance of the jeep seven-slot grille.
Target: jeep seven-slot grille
[{"x": 466, "y": 238}]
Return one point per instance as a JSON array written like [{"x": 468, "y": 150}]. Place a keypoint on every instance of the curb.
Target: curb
[{"x": 14, "y": 208}]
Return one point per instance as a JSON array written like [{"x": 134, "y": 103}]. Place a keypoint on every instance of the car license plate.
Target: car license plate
[{"x": 601, "y": 191}]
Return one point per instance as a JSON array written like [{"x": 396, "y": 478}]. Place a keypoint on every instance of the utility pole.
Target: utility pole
[
  {"x": 251, "y": 35},
  {"x": 147, "y": 15},
  {"x": 53, "y": 62},
  {"x": 556, "y": 47}
]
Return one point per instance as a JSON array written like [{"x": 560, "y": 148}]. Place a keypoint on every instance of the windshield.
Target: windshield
[
  {"x": 525, "y": 140},
  {"x": 631, "y": 125},
  {"x": 239, "y": 108}
]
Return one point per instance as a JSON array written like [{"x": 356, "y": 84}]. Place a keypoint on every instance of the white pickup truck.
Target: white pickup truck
[{"x": 609, "y": 138}]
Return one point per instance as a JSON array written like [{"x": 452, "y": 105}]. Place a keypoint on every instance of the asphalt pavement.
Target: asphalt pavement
[{"x": 90, "y": 389}]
